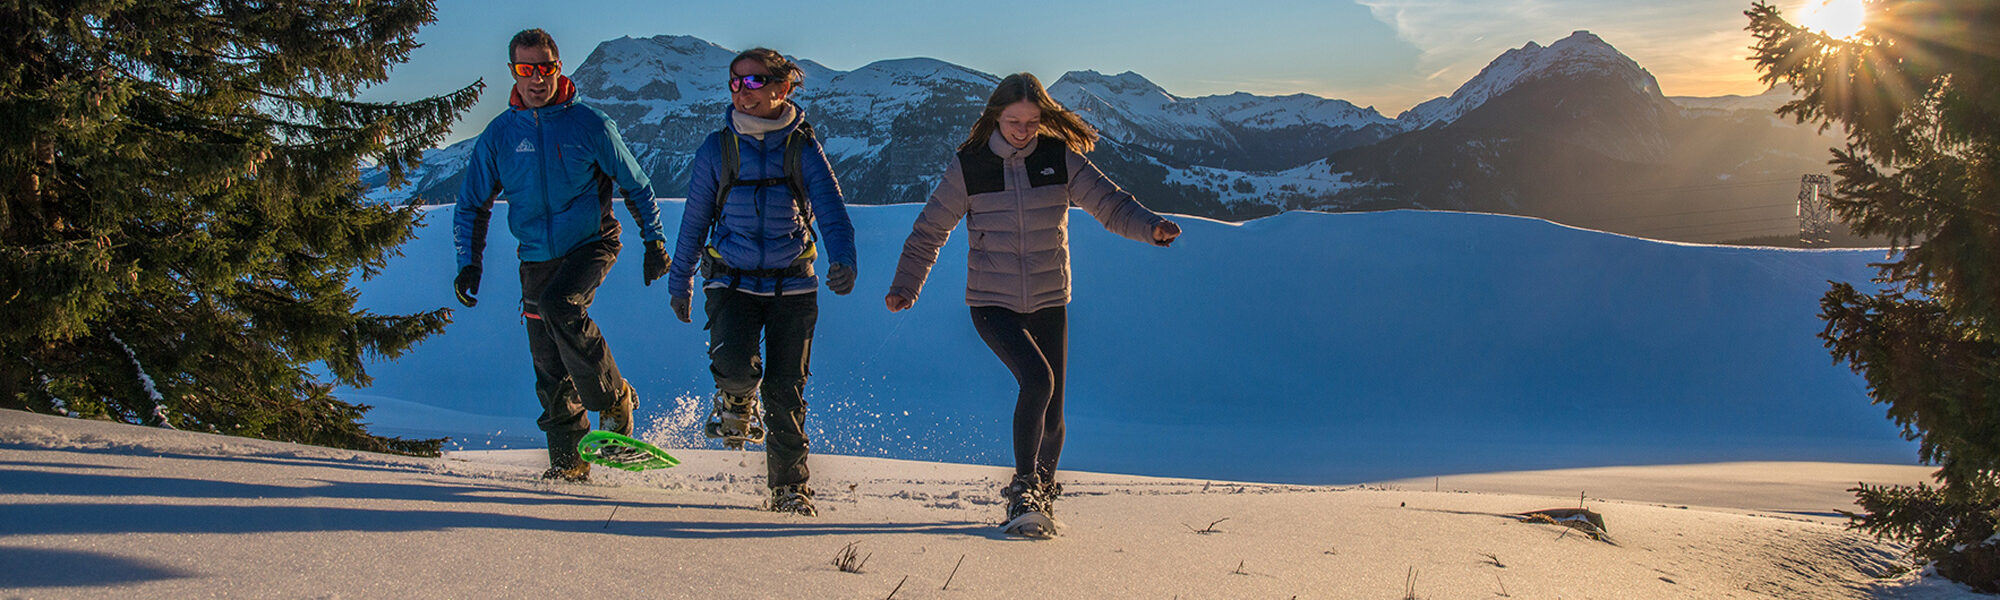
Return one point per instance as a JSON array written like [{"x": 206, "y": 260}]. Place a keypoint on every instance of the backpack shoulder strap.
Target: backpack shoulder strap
[
  {"x": 795, "y": 144},
  {"x": 732, "y": 160}
]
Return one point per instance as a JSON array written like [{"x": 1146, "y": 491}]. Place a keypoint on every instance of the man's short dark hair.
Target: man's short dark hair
[{"x": 529, "y": 38}]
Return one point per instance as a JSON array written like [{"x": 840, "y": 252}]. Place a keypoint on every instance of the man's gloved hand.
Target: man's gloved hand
[
  {"x": 656, "y": 260},
  {"x": 682, "y": 307},
  {"x": 840, "y": 278},
  {"x": 467, "y": 285}
]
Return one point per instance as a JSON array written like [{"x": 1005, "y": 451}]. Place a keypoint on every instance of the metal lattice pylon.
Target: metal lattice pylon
[{"x": 1815, "y": 217}]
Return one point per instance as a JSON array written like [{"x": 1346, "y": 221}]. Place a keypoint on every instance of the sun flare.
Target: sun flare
[{"x": 1835, "y": 18}]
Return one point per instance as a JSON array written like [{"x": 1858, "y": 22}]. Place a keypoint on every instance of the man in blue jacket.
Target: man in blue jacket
[
  {"x": 750, "y": 227},
  {"x": 556, "y": 160}
]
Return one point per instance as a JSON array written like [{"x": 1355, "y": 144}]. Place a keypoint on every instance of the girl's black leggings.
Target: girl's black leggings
[{"x": 1033, "y": 346}]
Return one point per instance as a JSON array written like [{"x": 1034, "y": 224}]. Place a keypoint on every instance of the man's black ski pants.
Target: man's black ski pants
[{"x": 574, "y": 371}]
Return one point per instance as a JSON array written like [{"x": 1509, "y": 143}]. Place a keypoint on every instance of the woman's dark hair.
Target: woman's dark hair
[
  {"x": 1056, "y": 120},
  {"x": 774, "y": 63},
  {"x": 529, "y": 38}
]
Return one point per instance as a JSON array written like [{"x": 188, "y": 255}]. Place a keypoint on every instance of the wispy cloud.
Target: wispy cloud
[{"x": 1694, "y": 47}]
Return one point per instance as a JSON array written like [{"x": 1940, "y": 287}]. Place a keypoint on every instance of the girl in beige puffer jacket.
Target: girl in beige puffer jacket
[{"x": 1013, "y": 181}]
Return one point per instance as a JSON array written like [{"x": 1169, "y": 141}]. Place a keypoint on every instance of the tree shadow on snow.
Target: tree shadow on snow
[
  {"x": 107, "y": 486},
  {"x": 93, "y": 518},
  {"x": 361, "y": 461},
  {"x": 17, "y": 463},
  {"x": 45, "y": 568}
]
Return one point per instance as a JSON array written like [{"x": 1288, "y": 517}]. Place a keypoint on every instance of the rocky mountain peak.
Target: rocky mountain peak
[{"x": 1581, "y": 55}]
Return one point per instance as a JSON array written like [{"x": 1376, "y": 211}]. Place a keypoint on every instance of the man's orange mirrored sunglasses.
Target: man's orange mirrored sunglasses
[{"x": 544, "y": 69}]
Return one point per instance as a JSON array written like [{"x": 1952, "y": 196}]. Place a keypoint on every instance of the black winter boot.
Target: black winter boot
[{"x": 565, "y": 464}]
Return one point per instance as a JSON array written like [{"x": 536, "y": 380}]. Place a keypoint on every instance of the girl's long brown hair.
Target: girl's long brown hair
[{"x": 1056, "y": 120}]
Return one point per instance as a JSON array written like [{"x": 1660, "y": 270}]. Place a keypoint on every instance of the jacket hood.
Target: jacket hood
[{"x": 565, "y": 92}]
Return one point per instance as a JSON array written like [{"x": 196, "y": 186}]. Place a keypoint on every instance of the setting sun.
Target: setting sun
[{"x": 1836, "y": 18}]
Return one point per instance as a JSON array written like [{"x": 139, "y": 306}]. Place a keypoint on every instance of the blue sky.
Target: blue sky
[{"x": 1390, "y": 54}]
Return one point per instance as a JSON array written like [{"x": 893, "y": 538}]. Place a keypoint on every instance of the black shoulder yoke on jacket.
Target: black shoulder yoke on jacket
[
  {"x": 1046, "y": 165},
  {"x": 983, "y": 169}
]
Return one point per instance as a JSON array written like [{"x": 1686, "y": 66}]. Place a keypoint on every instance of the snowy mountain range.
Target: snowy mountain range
[{"x": 889, "y": 127}]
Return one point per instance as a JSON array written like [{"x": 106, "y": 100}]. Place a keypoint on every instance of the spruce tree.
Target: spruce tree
[
  {"x": 182, "y": 216},
  {"x": 1917, "y": 94}
]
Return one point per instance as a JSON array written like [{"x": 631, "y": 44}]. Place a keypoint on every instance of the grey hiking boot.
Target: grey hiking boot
[
  {"x": 618, "y": 418},
  {"x": 796, "y": 499}
]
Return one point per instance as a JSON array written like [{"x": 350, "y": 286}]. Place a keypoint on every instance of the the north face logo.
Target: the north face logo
[
  {"x": 1049, "y": 171},
  {"x": 525, "y": 147}
]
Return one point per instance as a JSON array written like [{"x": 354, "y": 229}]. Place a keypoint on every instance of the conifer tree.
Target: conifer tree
[
  {"x": 1917, "y": 93},
  {"x": 180, "y": 215}
]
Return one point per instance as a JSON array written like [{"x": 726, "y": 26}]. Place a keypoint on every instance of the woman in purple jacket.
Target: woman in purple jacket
[{"x": 1013, "y": 181}]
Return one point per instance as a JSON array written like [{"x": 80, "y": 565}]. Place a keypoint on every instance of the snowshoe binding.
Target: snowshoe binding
[
  {"x": 796, "y": 499},
  {"x": 1028, "y": 509},
  {"x": 734, "y": 419}
]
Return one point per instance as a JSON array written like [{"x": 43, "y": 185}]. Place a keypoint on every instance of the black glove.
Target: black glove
[
  {"x": 840, "y": 278},
  {"x": 682, "y": 308},
  {"x": 467, "y": 285},
  {"x": 656, "y": 260}
]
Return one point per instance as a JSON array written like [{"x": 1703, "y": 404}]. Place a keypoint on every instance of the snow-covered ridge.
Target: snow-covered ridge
[
  {"x": 888, "y": 87},
  {"x": 632, "y": 64},
  {"x": 1130, "y": 108},
  {"x": 1296, "y": 110},
  {"x": 1131, "y": 105},
  {"x": 437, "y": 165},
  {"x": 1582, "y": 53}
]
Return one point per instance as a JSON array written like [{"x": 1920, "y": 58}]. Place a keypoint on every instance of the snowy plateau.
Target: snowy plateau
[{"x": 1362, "y": 346}]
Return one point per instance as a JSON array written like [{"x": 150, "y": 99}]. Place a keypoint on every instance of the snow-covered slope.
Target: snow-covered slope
[
  {"x": 97, "y": 509},
  {"x": 1359, "y": 346}
]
